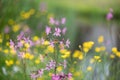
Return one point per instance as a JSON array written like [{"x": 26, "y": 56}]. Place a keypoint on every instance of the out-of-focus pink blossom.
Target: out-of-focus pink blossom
[
  {"x": 63, "y": 20},
  {"x": 7, "y": 29},
  {"x": 55, "y": 77},
  {"x": 64, "y": 30},
  {"x": 69, "y": 76},
  {"x": 67, "y": 43},
  {"x": 57, "y": 32},
  {"x": 40, "y": 72},
  {"x": 21, "y": 54},
  {"x": 57, "y": 22},
  {"x": 48, "y": 30},
  {"x": 33, "y": 75},
  {"x": 110, "y": 14},
  {"x": 19, "y": 44},
  {"x": 12, "y": 44},
  {"x": 52, "y": 21},
  {"x": 20, "y": 36}
]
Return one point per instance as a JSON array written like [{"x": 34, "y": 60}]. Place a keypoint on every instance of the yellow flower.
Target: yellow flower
[
  {"x": 76, "y": 53},
  {"x": 97, "y": 49},
  {"x": 97, "y": 57},
  {"x": 37, "y": 61},
  {"x": 112, "y": 56},
  {"x": 27, "y": 55},
  {"x": 87, "y": 46},
  {"x": 62, "y": 51},
  {"x": 66, "y": 54},
  {"x": 100, "y": 39},
  {"x": 32, "y": 11},
  {"x": 85, "y": 50},
  {"x": 16, "y": 28},
  {"x": 89, "y": 68},
  {"x": 27, "y": 45},
  {"x": 59, "y": 68},
  {"x": 35, "y": 38},
  {"x": 6, "y": 51},
  {"x": 12, "y": 51},
  {"x": 50, "y": 49},
  {"x": 99, "y": 60},
  {"x": 9, "y": 62},
  {"x": 118, "y": 54},
  {"x": 81, "y": 56},
  {"x": 7, "y": 43},
  {"x": 114, "y": 50},
  {"x": 31, "y": 57},
  {"x": 102, "y": 48},
  {"x": 46, "y": 43}
]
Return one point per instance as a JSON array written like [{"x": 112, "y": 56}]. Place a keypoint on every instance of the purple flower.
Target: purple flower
[
  {"x": 109, "y": 15},
  {"x": 69, "y": 76},
  {"x": 64, "y": 30},
  {"x": 52, "y": 43},
  {"x": 63, "y": 20},
  {"x": 50, "y": 65},
  {"x": 67, "y": 43},
  {"x": 48, "y": 30},
  {"x": 7, "y": 29},
  {"x": 19, "y": 44},
  {"x": 42, "y": 40},
  {"x": 55, "y": 77},
  {"x": 52, "y": 21},
  {"x": 11, "y": 43},
  {"x": 57, "y": 22},
  {"x": 40, "y": 72},
  {"x": 33, "y": 75},
  {"x": 20, "y": 36},
  {"x": 21, "y": 54},
  {"x": 57, "y": 32}
]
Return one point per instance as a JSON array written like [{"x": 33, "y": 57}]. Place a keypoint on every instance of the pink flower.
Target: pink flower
[
  {"x": 63, "y": 20},
  {"x": 52, "y": 21},
  {"x": 64, "y": 30},
  {"x": 67, "y": 43},
  {"x": 69, "y": 76},
  {"x": 110, "y": 14},
  {"x": 48, "y": 30},
  {"x": 57, "y": 22},
  {"x": 55, "y": 77},
  {"x": 7, "y": 29},
  {"x": 57, "y": 32},
  {"x": 20, "y": 36},
  {"x": 33, "y": 76},
  {"x": 12, "y": 44},
  {"x": 40, "y": 72}
]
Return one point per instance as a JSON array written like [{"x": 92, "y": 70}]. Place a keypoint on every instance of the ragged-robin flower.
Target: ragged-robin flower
[
  {"x": 67, "y": 43},
  {"x": 57, "y": 31},
  {"x": 48, "y": 30},
  {"x": 63, "y": 20}
]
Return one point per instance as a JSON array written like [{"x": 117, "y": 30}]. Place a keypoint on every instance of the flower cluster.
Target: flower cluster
[{"x": 51, "y": 66}]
